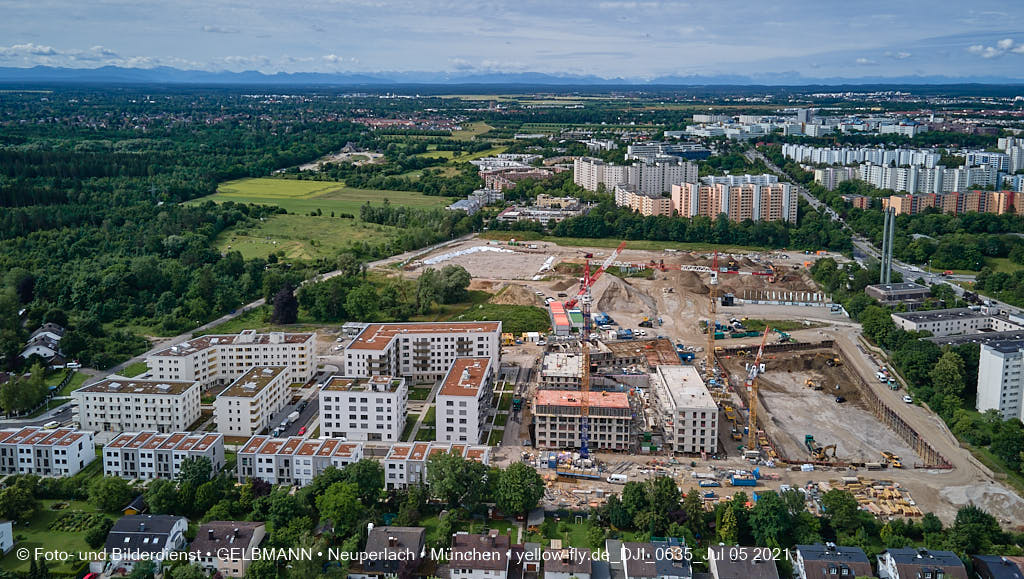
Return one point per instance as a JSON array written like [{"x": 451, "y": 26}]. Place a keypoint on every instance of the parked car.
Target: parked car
[
  {"x": 908, "y": 399},
  {"x": 302, "y": 431},
  {"x": 73, "y": 366},
  {"x": 51, "y": 425},
  {"x": 840, "y": 399}
]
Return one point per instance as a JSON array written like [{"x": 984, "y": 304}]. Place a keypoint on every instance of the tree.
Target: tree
[
  {"x": 974, "y": 531},
  {"x": 190, "y": 571},
  {"x": 617, "y": 513},
  {"x": 194, "y": 471},
  {"x": 18, "y": 504},
  {"x": 634, "y": 498},
  {"x": 728, "y": 530},
  {"x": 663, "y": 494},
  {"x": 693, "y": 506},
  {"x": 110, "y": 493},
  {"x": 769, "y": 521},
  {"x": 363, "y": 303},
  {"x": 455, "y": 480},
  {"x": 456, "y": 281},
  {"x": 948, "y": 375},
  {"x": 96, "y": 536},
  {"x": 368, "y": 476},
  {"x": 161, "y": 497},
  {"x": 341, "y": 504},
  {"x": 931, "y": 523},
  {"x": 286, "y": 307},
  {"x": 519, "y": 489},
  {"x": 145, "y": 569},
  {"x": 595, "y": 537},
  {"x": 841, "y": 509},
  {"x": 262, "y": 569}
]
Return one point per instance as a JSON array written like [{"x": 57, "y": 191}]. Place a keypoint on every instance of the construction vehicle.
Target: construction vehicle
[
  {"x": 752, "y": 386},
  {"x": 812, "y": 384},
  {"x": 736, "y": 431},
  {"x": 893, "y": 460},
  {"x": 818, "y": 452}
]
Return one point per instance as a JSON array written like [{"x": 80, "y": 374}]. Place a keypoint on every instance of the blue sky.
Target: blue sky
[{"x": 612, "y": 38}]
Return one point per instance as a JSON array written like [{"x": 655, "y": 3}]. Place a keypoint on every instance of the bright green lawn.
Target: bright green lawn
[
  {"x": 471, "y": 131},
  {"x": 494, "y": 439},
  {"x": 300, "y": 237},
  {"x": 134, "y": 369},
  {"x": 38, "y": 534}
]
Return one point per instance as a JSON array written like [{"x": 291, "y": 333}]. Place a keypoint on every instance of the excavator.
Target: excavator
[
  {"x": 893, "y": 460},
  {"x": 817, "y": 451},
  {"x": 830, "y": 360},
  {"x": 812, "y": 384}
]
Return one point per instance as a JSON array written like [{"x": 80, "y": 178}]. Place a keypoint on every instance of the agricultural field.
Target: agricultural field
[
  {"x": 298, "y": 235},
  {"x": 305, "y": 196},
  {"x": 471, "y": 131}
]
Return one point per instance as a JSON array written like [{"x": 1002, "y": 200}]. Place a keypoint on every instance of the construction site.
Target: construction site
[{"x": 820, "y": 420}]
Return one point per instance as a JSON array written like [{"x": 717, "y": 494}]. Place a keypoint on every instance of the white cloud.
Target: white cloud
[
  {"x": 28, "y": 49},
  {"x": 1000, "y": 48},
  {"x": 898, "y": 55},
  {"x": 865, "y": 61},
  {"x": 215, "y": 29}
]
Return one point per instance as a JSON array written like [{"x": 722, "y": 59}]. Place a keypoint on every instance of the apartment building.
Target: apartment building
[
  {"x": 420, "y": 351},
  {"x": 911, "y": 563},
  {"x": 958, "y": 202},
  {"x": 557, "y": 415},
  {"x": 57, "y": 453},
  {"x": 651, "y": 176},
  {"x": 561, "y": 370},
  {"x": 221, "y": 359},
  {"x": 1000, "y": 382},
  {"x": 644, "y": 204},
  {"x": 247, "y": 405},
  {"x": 464, "y": 401},
  {"x": 151, "y": 455},
  {"x": 831, "y": 177},
  {"x": 405, "y": 463},
  {"x": 659, "y": 559},
  {"x": 738, "y": 201},
  {"x": 118, "y": 404},
  {"x": 957, "y": 321},
  {"x": 685, "y": 410},
  {"x": 294, "y": 460},
  {"x": 937, "y": 179},
  {"x": 357, "y": 409},
  {"x": 856, "y": 155},
  {"x": 732, "y": 561}
]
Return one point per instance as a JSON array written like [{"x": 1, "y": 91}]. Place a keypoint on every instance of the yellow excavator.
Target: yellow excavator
[
  {"x": 812, "y": 384},
  {"x": 893, "y": 460}
]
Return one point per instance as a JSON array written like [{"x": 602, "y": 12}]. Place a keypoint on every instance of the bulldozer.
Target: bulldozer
[{"x": 893, "y": 460}]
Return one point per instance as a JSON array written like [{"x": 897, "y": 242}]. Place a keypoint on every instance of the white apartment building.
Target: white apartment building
[
  {"x": 653, "y": 178},
  {"x": 294, "y": 460},
  {"x": 247, "y": 405},
  {"x": 1000, "y": 382},
  {"x": 557, "y": 419},
  {"x": 118, "y": 404},
  {"x": 33, "y": 450},
  {"x": 685, "y": 410},
  {"x": 406, "y": 462},
  {"x": 151, "y": 455},
  {"x": 857, "y": 155},
  {"x": 465, "y": 400},
  {"x": 220, "y": 359},
  {"x": 956, "y": 321},
  {"x": 937, "y": 179},
  {"x": 420, "y": 351},
  {"x": 355, "y": 409}
]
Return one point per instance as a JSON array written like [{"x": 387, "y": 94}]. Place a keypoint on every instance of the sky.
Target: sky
[{"x": 636, "y": 39}]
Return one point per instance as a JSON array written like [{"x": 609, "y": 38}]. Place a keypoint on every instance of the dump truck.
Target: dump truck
[{"x": 892, "y": 459}]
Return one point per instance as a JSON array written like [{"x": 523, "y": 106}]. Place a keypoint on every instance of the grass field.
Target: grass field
[
  {"x": 38, "y": 534},
  {"x": 515, "y": 319},
  {"x": 612, "y": 243},
  {"x": 134, "y": 369},
  {"x": 301, "y": 236},
  {"x": 305, "y": 196},
  {"x": 465, "y": 157},
  {"x": 471, "y": 131},
  {"x": 1002, "y": 264}
]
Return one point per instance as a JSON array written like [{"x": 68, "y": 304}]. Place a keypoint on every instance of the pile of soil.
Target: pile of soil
[
  {"x": 564, "y": 284},
  {"x": 620, "y": 296},
  {"x": 515, "y": 295},
  {"x": 692, "y": 282}
]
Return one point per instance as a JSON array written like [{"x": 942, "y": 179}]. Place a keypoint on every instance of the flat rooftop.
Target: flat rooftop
[
  {"x": 252, "y": 382},
  {"x": 465, "y": 377},
  {"x": 1007, "y": 346},
  {"x": 572, "y": 399},
  {"x": 119, "y": 385},
  {"x": 685, "y": 387},
  {"x": 245, "y": 337},
  {"x": 560, "y": 364},
  {"x": 941, "y": 315},
  {"x": 978, "y": 338},
  {"x": 371, "y": 384},
  {"x": 896, "y": 288},
  {"x": 378, "y": 336}
]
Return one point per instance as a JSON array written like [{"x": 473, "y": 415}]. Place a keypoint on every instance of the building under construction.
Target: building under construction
[
  {"x": 684, "y": 410},
  {"x": 556, "y": 420}
]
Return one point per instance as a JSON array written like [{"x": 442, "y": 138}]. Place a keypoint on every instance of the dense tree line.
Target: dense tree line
[{"x": 815, "y": 231}]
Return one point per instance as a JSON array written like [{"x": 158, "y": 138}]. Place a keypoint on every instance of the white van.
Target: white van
[{"x": 618, "y": 479}]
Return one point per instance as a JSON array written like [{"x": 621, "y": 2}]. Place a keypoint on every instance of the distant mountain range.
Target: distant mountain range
[{"x": 168, "y": 75}]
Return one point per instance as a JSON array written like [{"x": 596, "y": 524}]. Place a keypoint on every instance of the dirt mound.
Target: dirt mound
[
  {"x": 690, "y": 281},
  {"x": 482, "y": 285},
  {"x": 564, "y": 284},
  {"x": 515, "y": 295},
  {"x": 619, "y": 296}
]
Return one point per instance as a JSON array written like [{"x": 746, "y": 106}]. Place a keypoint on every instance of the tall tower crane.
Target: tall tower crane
[
  {"x": 755, "y": 369},
  {"x": 712, "y": 321},
  {"x": 584, "y": 298}
]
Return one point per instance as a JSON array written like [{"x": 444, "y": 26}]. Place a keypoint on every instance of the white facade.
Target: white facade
[
  {"x": 359, "y": 409},
  {"x": 1000, "y": 382},
  {"x": 294, "y": 460},
  {"x": 6, "y": 536},
  {"x": 652, "y": 178},
  {"x": 246, "y": 406},
  {"x": 150, "y": 455},
  {"x": 955, "y": 321},
  {"x": 118, "y": 404},
  {"x": 685, "y": 410},
  {"x": 464, "y": 401},
  {"x": 33, "y": 450},
  {"x": 420, "y": 351},
  {"x": 220, "y": 359}
]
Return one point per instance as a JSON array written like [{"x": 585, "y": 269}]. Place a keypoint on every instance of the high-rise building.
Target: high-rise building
[
  {"x": 652, "y": 178},
  {"x": 739, "y": 201},
  {"x": 1000, "y": 381}
]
